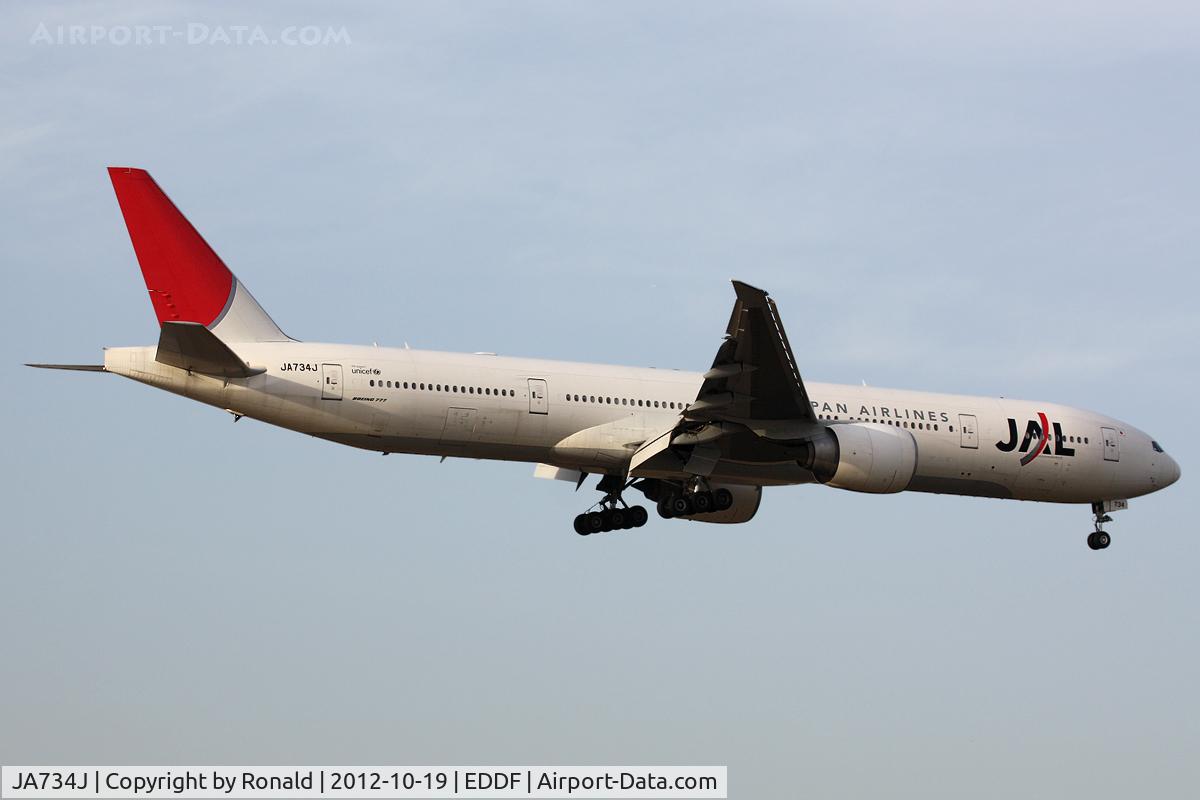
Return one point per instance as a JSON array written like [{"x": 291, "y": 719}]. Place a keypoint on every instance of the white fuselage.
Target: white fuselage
[{"x": 590, "y": 417}]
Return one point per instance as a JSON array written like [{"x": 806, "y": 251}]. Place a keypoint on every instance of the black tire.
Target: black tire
[
  {"x": 664, "y": 508},
  {"x": 1091, "y": 540},
  {"x": 581, "y": 525},
  {"x": 703, "y": 502},
  {"x": 722, "y": 500},
  {"x": 606, "y": 524},
  {"x": 639, "y": 516},
  {"x": 616, "y": 518},
  {"x": 1103, "y": 540},
  {"x": 595, "y": 522},
  {"x": 681, "y": 506}
]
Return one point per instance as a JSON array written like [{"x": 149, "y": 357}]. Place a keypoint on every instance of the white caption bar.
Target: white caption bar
[{"x": 149, "y": 783}]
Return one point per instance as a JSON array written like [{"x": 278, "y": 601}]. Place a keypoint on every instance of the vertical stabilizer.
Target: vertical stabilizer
[{"x": 186, "y": 280}]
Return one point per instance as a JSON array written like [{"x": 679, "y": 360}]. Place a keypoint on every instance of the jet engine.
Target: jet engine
[{"x": 863, "y": 457}]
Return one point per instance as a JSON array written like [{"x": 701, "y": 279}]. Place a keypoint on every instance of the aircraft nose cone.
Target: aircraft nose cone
[{"x": 1171, "y": 471}]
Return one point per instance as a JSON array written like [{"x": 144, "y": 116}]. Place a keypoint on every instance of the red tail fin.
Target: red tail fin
[{"x": 187, "y": 281}]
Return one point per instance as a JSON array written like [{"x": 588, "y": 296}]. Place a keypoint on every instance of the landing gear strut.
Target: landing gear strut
[
  {"x": 1099, "y": 538},
  {"x": 614, "y": 514}
]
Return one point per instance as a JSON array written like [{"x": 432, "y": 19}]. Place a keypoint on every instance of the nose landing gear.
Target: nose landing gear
[{"x": 1099, "y": 538}]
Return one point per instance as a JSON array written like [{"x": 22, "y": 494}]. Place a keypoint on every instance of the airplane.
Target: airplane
[{"x": 700, "y": 446}]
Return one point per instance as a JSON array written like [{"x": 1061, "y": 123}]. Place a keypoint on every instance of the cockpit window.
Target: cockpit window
[{"x": 1157, "y": 447}]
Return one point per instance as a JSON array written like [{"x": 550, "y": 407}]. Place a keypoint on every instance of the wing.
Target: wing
[
  {"x": 752, "y": 409},
  {"x": 754, "y": 375}
]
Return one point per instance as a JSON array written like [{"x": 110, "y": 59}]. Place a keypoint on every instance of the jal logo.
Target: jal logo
[{"x": 1037, "y": 434}]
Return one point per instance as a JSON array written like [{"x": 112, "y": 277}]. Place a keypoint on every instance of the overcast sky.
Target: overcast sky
[{"x": 1000, "y": 200}]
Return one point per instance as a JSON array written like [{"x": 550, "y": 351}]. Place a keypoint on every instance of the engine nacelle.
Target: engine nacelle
[
  {"x": 746, "y": 500},
  {"x": 864, "y": 457}
]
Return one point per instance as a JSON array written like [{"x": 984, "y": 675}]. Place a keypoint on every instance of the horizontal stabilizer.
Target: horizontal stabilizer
[
  {"x": 191, "y": 346},
  {"x": 76, "y": 367}
]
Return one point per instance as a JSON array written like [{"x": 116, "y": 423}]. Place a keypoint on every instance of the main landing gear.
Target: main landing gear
[
  {"x": 614, "y": 513},
  {"x": 1099, "y": 538},
  {"x": 698, "y": 501},
  {"x": 611, "y": 518}
]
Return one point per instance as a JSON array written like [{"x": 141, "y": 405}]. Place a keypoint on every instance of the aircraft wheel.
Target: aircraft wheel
[
  {"x": 638, "y": 516},
  {"x": 703, "y": 502},
  {"x": 681, "y": 506},
  {"x": 722, "y": 500},
  {"x": 595, "y": 522},
  {"x": 581, "y": 525},
  {"x": 664, "y": 508},
  {"x": 1103, "y": 540},
  {"x": 616, "y": 518}
]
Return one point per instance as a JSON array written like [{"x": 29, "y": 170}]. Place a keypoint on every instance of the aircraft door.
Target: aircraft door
[
  {"x": 968, "y": 431},
  {"x": 539, "y": 400},
  {"x": 331, "y": 381},
  {"x": 1112, "y": 447}
]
